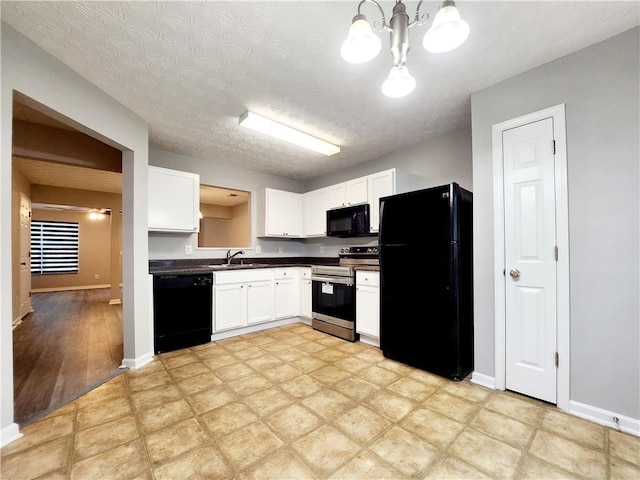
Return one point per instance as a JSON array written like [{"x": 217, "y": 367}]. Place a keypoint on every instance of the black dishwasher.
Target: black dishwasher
[{"x": 182, "y": 310}]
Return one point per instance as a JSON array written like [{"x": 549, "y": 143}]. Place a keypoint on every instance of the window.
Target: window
[{"x": 54, "y": 247}]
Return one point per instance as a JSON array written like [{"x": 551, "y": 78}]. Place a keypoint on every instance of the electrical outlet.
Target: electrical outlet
[
  {"x": 188, "y": 249},
  {"x": 96, "y": 276},
  {"x": 280, "y": 250},
  {"x": 258, "y": 249},
  {"x": 321, "y": 249}
]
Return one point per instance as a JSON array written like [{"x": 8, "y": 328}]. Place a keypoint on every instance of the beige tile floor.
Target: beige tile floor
[{"x": 291, "y": 402}]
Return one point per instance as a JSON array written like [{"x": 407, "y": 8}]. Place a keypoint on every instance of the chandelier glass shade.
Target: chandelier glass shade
[
  {"x": 399, "y": 82},
  {"x": 362, "y": 44},
  {"x": 447, "y": 32}
]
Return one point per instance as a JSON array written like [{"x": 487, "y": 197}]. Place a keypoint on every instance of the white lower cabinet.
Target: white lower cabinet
[
  {"x": 368, "y": 303},
  {"x": 241, "y": 298},
  {"x": 230, "y": 307},
  {"x": 286, "y": 292},
  {"x": 305, "y": 292},
  {"x": 259, "y": 301}
]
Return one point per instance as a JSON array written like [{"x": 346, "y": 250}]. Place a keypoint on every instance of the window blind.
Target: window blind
[{"x": 54, "y": 247}]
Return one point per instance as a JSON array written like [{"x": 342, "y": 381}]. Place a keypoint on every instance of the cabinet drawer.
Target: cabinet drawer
[
  {"x": 305, "y": 274},
  {"x": 243, "y": 276},
  {"x": 280, "y": 273},
  {"x": 368, "y": 278}
]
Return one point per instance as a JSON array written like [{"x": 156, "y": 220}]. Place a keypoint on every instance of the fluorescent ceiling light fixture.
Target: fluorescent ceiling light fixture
[{"x": 264, "y": 125}]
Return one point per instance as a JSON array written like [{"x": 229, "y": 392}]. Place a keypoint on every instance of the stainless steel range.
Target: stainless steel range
[{"x": 333, "y": 301}]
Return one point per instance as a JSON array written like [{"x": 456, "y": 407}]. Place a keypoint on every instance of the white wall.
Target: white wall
[
  {"x": 27, "y": 69},
  {"x": 430, "y": 163},
  {"x": 599, "y": 86}
]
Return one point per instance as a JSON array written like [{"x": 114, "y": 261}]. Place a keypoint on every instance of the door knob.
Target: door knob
[{"x": 514, "y": 273}]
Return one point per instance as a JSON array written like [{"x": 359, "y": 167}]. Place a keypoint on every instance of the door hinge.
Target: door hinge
[
  {"x": 557, "y": 359},
  {"x": 556, "y": 252},
  {"x": 553, "y": 146}
]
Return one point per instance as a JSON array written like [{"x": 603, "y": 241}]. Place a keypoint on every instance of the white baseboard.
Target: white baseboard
[
  {"x": 605, "y": 417},
  {"x": 134, "y": 363},
  {"x": 483, "y": 380},
  {"x": 255, "y": 328},
  {"x": 64, "y": 289},
  {"x": 9, "y": 433},
  {"x": 305, "y": 320}
]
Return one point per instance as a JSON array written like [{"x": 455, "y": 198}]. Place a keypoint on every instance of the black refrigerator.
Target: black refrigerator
[{"x": 426, "y": 279}]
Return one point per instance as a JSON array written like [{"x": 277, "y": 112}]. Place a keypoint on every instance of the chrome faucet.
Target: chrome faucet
[{"x": 231, "y": 257}]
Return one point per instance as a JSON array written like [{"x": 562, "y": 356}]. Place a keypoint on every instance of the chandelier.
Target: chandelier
[{"x": 447, "y": 32}]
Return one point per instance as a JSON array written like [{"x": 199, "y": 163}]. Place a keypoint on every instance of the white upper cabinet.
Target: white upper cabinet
[
  {"x": 380, "y": 185},
  {"x": 315, "y": 212},
  {"x": 347, "y": 193},
  {"x": 174, "y": 200},
  {"x": 336, "y": 196},
  {"x": 356, "y": 191},
  {"x": 279, "y": 214}
]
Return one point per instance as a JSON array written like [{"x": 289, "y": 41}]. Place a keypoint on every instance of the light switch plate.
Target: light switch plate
[
  {"x": 321, "y": 249},
  {"x": 258, "y": 249},
  {"x": 188, "y": 249},
  {"x": 280, "y": 250}
]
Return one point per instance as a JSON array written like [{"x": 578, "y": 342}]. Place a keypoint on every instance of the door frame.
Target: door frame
[{"x": 556, "y": 112}]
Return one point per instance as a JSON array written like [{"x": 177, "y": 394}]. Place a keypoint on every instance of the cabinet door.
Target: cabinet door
[
  {"x": 356, "y": 191},
  {"x": 336, "y": 196},
  {"x": 305, "y": 292},
  {"x": 259, "y": 301},
  {"x": 315, "y": 213},
  {"x": 283, "y": 213},
  {"x": 368, "y": 310},
  {"x": 174, "y": 200},
  {"x": 230, "y": 306},
  {"x": 380, "y": 185},
  {"x": 286, "y": 298},
  {"x": 368, "y": 303}
]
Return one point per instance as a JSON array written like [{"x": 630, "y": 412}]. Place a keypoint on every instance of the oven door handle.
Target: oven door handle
[{"x": 340, "y": 280}]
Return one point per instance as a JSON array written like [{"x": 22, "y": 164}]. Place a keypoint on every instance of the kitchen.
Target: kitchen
[{"x": 587, "y": 390}]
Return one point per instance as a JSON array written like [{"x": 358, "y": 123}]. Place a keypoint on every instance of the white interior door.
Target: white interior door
[
  {"x": 24, "y": 294},
  {"x": 530, "y": 260}
]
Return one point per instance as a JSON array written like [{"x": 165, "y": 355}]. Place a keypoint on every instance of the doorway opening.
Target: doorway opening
[{"x": 67, "y": 322}]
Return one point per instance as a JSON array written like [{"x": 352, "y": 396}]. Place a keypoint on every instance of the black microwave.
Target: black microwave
[{"x": 352, "y": 221}]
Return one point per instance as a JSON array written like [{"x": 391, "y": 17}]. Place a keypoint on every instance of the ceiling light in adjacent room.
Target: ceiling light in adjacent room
[{"x": 270, "y": 127}]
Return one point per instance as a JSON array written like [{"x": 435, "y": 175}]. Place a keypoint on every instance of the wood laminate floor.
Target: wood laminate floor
[{"x": 71, "y": 342}]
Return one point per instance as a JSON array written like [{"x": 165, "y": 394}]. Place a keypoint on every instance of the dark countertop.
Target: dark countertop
[{"x": 207, "y": 265}]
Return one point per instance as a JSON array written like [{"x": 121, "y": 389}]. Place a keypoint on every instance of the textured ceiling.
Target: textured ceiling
[
  {"x": 39, "y": 172},
  {"x": 190, "y": 69}
]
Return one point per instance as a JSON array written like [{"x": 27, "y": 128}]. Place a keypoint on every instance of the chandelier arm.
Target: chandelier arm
[
  {"x": 380, "y": 26},
  {"x": 419, "y": 19}
]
